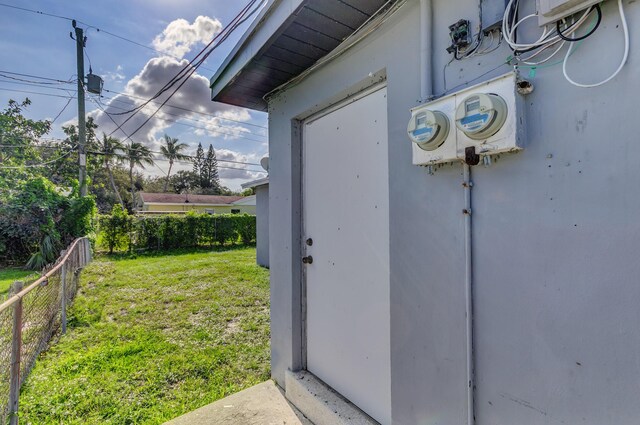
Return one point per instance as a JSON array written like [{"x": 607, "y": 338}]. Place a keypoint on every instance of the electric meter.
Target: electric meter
[
  {"x": 481, "y": 115},
  {"x": 428, "y": 129}
]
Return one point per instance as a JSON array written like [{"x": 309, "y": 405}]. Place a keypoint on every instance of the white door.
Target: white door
[{"x": 346, "y": 215}]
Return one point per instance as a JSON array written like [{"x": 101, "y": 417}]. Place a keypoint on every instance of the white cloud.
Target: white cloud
[
  {"x": 180, "y": 36},
  {"x": 194, "y": 95},
  {"x": 253, "y": 172},
  {"x": 114, "y": 76}
]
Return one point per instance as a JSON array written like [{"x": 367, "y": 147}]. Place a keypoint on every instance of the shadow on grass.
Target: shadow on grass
[{"x": 149, "y": 253}]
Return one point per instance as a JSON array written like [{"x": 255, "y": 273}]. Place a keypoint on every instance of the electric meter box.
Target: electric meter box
[
  {"x": 550, "y": 11},
  {"x": 433, "y": 132},
  {"x": 489, "y": 117}
]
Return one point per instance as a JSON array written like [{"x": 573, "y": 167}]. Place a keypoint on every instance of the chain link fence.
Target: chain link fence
[{"x": 29, "y": 318}]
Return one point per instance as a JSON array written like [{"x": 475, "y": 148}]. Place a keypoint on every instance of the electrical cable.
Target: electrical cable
[
  {"x": 184, "y": 109},
  {"x": 240, "y": 135},
  {"x": 72, "y": 81},
  {"x": 189, "y": 156},
  {"x": 88, "y": 26},
  {"x": 180, "y": 74},
  {"x": 548, "y": 36},
  {"x": 34, "y": 92},
  {"x": 218, "y": 125},
  {"x": 540, "y": 63},
  {"x": 16, "y": 167},
  {"x": 208, "y": 124},
  {"x": 236, "y": 135},
  {"x": 188, "y": 69},
  {"x": 24, "y": 9},
  {"x": 155, "y": 158},
  {"x": 625, "y": 31},
  {"x": 62, "y": 110},
  {"x": 240, "y": 18},
  {"x": 471, "y": 80},
  {"x": 479, "y": 38},
  {"x": 589, "y": 33},
  {"x": 52, "y": 82},
  {"x": 3, "y": 146}
]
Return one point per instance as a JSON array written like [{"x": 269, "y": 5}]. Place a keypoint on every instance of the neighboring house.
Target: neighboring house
[
  {"x": 173, "y": 203},
  {"x": 413, "y": 299},
  {"x": 261, "y": 187}
]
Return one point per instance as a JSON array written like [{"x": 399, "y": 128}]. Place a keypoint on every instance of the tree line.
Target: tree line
[{"x": 40, "y": 207}]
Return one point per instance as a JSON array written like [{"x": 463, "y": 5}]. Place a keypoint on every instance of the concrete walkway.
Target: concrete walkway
[{"x": 263, "y": 404}]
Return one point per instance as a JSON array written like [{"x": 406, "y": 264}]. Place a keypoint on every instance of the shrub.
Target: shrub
[
  {"x": 37, "y": 221},
  {"x": 115, "y": 229},
  {"x": 174, "y": 231},
  {"x": 246, "y": 228}
]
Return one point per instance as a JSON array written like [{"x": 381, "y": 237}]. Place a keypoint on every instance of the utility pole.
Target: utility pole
[{"x": 82, "y": 130}]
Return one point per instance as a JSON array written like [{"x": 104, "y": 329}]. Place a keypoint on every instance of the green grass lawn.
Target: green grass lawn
[
  {"x": 10, "y": 275},
  {"x": 154, "y": 337}
]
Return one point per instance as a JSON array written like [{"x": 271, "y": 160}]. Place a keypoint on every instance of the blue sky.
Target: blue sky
[{"x": 41, "y": 46}]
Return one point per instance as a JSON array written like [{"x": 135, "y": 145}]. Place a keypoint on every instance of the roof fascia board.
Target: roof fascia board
[
  {"x": 262, "y": 32},
  {"x": 255, "y": 183}
]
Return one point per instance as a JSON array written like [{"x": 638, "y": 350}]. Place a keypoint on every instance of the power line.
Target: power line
[
  {"x": 123, "y": 94},
  {"x": 38, "y": 12},
  {"x": 190, "y": 156},
  {"x": 190, "y": 68},
  {"x": 222, "y": 126},
  {"x": 156, "y": 158},
  {"x": 51, "y": 81},
  {"x": 34, "y": 92},
  {"x": 40, "y": 164},
  {"x": 187, "y": 109},
  {"x": 89, "y": 26},
  {"x": 159, "y": 156},
  {"x": 187, "y": 125},
  {"x": 226, "y": 31},
  {"x": 186, "y": 118},
  {"x": 63, "y": 109}
]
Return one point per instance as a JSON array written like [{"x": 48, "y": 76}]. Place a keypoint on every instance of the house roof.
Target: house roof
[
  {"x": 287, "y": 38},
  {"x": 180, "y": 198},
  {"x": 255, "y": 183},
  {"x": 247, "y": 200}
]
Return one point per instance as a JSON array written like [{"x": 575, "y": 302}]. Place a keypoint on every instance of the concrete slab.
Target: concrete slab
[
  {"x": 262, "y": 404},
  {"x": 320, "y": 403}
]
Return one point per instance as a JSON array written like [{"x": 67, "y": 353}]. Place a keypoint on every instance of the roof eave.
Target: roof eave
[
  {"x": 255, "y": 183},
  {"x": 257, "y": 37}
]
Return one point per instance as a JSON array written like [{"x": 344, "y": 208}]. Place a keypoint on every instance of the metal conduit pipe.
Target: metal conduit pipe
[
  {"x": 426, "y": 94},
  {"x": 468, "y": 286},
  {"x": 426, "y": 30}
]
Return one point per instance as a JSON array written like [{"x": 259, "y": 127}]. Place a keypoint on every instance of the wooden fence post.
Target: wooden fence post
[
  {"x": 63, "y": 302},
  {"x": 16, "y": 351},
  {"x": 89, "y": 253}
]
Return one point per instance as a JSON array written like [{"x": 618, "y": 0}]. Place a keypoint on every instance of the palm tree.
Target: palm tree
[
  {"x": 111, "y": 149},
  {"x": 137, "y": 155},
  {"x": 171, "y": 150}
]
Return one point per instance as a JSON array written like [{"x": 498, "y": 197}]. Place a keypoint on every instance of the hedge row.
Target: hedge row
[{"x": 120, "y": 231}]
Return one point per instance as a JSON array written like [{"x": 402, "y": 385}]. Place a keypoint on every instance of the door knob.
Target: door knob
[{"x": 307, "y": 260}]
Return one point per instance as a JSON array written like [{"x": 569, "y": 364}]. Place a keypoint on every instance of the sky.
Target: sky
[{"x": 41, "y": 46}]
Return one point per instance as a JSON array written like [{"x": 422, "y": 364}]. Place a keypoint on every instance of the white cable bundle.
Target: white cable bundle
[
  {"x": 551, "y": 39},
  {"x": 547, "y": 39},
  {"x": 625, "y": 30}
]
